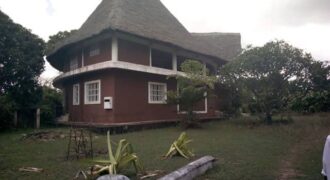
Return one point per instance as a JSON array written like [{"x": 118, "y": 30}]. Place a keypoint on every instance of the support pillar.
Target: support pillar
[
  {"x": 114, "y": 48},
  {"x": 174, "y": 62}
]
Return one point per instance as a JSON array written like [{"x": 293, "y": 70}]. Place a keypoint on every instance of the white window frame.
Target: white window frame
[
  {"x": 86, "y": 92},
  {"x": 94, "y": 51},
  {"x": 75, "y": 95},
  {"x": 150, "y": 101},
  {"x": 74, "y": 64}
]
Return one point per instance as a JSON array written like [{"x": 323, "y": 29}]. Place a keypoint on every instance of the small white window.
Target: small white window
[
  {"x": 157, "y": 93},
  {"x": 76, "y": 94},
  {"x": 74, "y": 64},
  {"x": 94, "y": 51},
  {"x": 93, "y": 92}
]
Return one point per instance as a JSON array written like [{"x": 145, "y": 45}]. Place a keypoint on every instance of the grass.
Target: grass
[{"x": 244, "y": 149}]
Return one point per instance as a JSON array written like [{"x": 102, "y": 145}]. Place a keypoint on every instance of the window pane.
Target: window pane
[
  {"x": 93, "y": 92},
  {"x": 75, "y": 94},
  {"x": 157, "y": 92},
  {"x": 94, "y": 52},
  {"x": 73, "y": 64}
]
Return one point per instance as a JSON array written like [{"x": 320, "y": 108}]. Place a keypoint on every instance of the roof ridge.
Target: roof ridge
[{"x": 213, "y": 33}]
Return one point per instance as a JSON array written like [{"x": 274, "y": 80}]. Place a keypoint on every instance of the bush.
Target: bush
[
  {"x": 228, "y": 98},
  {"x": 51, "y": 105},
  {"x": 6, "y": 113},
  {"x": 313, "y": 101}
]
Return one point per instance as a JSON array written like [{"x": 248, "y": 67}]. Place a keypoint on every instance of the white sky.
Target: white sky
[{"x": 302, "y": 23}]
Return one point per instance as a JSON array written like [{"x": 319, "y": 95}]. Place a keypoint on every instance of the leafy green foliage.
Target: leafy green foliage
[
  {"x": 313, "y": 101},
  {"x": 263, "y": 75},
  {"x": 229, "y": 98},
  {"x": 312, "y": 94},
  {"x": 51, "y": 105},
  {"x": 21, "y": 63},
  {"x": 54, "y": 39},
  {"x": 179, "y": 147},
  {"x": 6, "y": 112},
  {"x": 123, "y": 158},
  {"x": 194, "y": 87}
]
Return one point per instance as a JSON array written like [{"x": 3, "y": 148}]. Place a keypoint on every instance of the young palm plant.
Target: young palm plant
[
  {"x": 179, "y": 147},
  {"x": 123, "y": 158}
]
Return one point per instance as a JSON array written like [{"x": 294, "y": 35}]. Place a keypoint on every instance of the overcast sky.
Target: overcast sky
[{"x": 302, "y": 23}]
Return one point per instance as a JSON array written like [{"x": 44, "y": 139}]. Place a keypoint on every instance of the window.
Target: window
[
  {"x": 93, "y": 92},
  {"x": 75, "y": 94},
  {"x": 74, "y": 64},
  {"x": 161, "y": 59},
  {"x": 94, "y": 51},
  {"x": 157, "y": 93}
]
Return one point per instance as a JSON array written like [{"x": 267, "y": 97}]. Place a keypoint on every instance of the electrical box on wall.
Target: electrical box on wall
[{"x": 108, "y": 103}]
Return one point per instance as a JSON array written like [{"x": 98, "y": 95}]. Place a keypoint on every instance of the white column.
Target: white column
[
  {"x": 150, "y": 56},
  {"x": 82, "y": 58},
  {"x": 174, "y": 62},
  {"x": 114, "y": 48}
]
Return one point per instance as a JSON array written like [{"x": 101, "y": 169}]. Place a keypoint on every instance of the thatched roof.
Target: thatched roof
[
  {"x": 227, "y": 45},
  {"x": 152, "y": 20}
]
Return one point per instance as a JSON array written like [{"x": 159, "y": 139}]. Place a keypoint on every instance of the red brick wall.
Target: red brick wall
[{"x": 133, "y": 52}]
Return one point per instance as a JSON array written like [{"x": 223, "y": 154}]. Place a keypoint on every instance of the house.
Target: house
[{"x": 115, "y": 67}]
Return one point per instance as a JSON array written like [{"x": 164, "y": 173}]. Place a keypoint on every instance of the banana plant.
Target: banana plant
[
  {"x": 179, "y": 147},
  {"x": 123, "y": 158}
]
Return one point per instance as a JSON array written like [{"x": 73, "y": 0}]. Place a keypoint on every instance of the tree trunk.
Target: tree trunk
[{"x": 268, "y": 118}]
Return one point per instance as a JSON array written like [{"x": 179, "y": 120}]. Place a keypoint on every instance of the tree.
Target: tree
[
  {"x": 54, "y": 39},
  {"x": 51, "y": 105},
  {"x": 313, "y": 93},
  {"x": 263, "y": 75},
  {"x": 21, "y": 63},
  {"x": 193, "y": 87},
  {"x": 229, "y": 99}
]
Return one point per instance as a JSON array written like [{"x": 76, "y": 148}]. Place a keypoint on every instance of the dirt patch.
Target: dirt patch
[
  {"x": 287, "y": 170},
  {"x": 44, "y": 136},
  {"x": 313, "y": 135}
]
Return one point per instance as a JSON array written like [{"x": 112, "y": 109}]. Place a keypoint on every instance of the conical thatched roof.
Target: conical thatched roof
[{"x": 149, "y": 19}]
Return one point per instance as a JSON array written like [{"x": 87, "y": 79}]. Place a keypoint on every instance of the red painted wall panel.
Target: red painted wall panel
[
  {"x": 133, "y": 52},
  {"x": 105, "y": 53},
  {"x": 93, "y": 113},
  {"x": 130, "y": 99}
]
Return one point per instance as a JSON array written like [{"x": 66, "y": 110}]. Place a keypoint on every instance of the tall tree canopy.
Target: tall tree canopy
[
  {"x": 264, "y": 74},
  {"x": 313, "y": 93},
  {"x": 54, "y": 39},
  {"x": 21, "y": 63}
]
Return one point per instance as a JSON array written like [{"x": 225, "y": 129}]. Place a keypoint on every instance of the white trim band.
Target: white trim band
[{"x": 118, "y": 65}]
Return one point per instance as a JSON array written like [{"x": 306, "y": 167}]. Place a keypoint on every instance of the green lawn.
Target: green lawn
[{"x": 244, "y": 150}]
